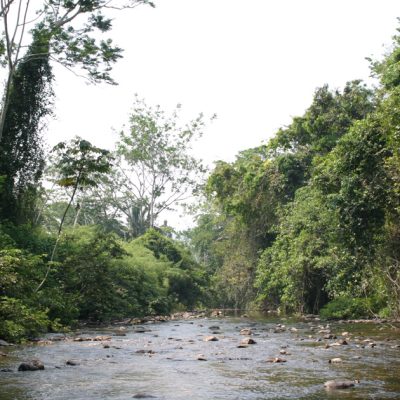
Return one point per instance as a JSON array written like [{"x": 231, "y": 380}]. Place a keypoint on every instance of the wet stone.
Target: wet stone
[
  {"x": 275, "y": 360},
  {"x": 143, "y": 396},
  {"x": 72, "y": 363},
  {"x": 210, "y": 339},
  {"x": 34, "y": 365},
  {"x": 248, "y": 341},
  {"x": 345, "y": 384}
]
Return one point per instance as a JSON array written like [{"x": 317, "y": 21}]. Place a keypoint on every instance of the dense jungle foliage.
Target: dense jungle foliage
[
  {"x": 307, "y": 223},
  {"x": 310, "y": 222}
]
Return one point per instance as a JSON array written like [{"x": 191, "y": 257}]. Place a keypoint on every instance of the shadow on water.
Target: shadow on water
[{"x": 162, "y": 362}]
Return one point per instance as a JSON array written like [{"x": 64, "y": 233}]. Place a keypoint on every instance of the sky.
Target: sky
[{"x": 254, "y": 63}]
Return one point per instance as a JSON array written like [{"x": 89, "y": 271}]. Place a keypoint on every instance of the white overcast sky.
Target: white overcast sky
[{"x": 254, "y": 63}]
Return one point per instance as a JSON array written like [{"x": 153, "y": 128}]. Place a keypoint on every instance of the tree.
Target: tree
[
  {"x": 68, "y": 27},
  {"x": 155, "y": 169},
  {"x": 78, "y": 164},
  {"x": 62, "y": 31},
  {"x": 22, "y": 158}
]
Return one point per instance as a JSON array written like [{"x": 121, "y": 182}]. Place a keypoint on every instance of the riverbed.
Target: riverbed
[{"x": 177, "y": 360}]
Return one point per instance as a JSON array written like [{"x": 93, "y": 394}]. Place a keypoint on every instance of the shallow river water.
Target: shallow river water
[{"x": 162, "y": 362}]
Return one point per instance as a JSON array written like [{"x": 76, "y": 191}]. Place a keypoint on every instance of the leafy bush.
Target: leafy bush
[
  {"x": 348, "y": 308},
  {"x": 18, "y": 321}
]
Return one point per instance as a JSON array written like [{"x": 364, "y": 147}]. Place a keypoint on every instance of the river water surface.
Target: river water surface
[{"x": 162, "y": 362}]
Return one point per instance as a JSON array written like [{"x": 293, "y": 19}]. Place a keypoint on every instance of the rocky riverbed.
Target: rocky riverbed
[{"x": 208, "y": 358}]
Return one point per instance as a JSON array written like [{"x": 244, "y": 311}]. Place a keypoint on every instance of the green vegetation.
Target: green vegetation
[
  {"x": 76, "y": 258},
  {"x": 309, "y": 222}
]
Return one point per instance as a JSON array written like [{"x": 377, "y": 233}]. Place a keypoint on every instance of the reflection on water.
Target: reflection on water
[{"x": 162, "y": 363}]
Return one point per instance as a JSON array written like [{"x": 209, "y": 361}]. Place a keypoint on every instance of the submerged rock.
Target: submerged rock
[
  {"x": 214, "y": 328},
  {"x": 143, "y": 396},
  {"x": 34, "y": 365},
  {"x": 72, "y": 362}
]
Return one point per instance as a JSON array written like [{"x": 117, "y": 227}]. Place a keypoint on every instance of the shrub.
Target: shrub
[
  {"x": 348, "y": 308},
  {"x": 18, "y": 321}
]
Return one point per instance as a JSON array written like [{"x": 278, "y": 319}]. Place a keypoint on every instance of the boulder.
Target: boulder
[
  {"x": 4, "y": 343},
  {"x": 34, "y": 365},
  {"x": 246, "y": 332}
]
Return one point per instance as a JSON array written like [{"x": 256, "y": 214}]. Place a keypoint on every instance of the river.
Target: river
[{"x": 161, "y": 361}]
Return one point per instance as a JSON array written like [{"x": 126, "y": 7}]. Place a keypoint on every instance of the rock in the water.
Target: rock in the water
[
  {"x": 246, "y": 332},
  {"x": 72, "y": 362},
  {"x": 276, "y": 360},
  {"x": 34, "y": 365},
  {"x": 101, "y": 338},
  {"x": 143, "y": 351},
  {"x": 118, "y": 333},
  {"x": 248, "y": 341},
  {"x": 329, "y": 336},
  {"x": 143, "y": 396},
  {"x": 3, "y": 354},
  {"x": 4, "y": 343},
  {"x": 336, "y": 360},
  {"x": 214, "y": 328},
  {"x": 210, "y": 339},
  {"x": 340, "y": 384},
  {"x": 201, "y": 357},
  {"x": 6, "y": 370},
  {"x": 140, "y": 329}
]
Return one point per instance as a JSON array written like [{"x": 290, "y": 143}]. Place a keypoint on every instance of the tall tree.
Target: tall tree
[
  {"x": 63, "y": 31},
  {"x": 22, "y": 160},
  {"x": 156, "y": 170},
  {"x": 78, "y": 164},
  {"x": 70, "y": 28}
]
